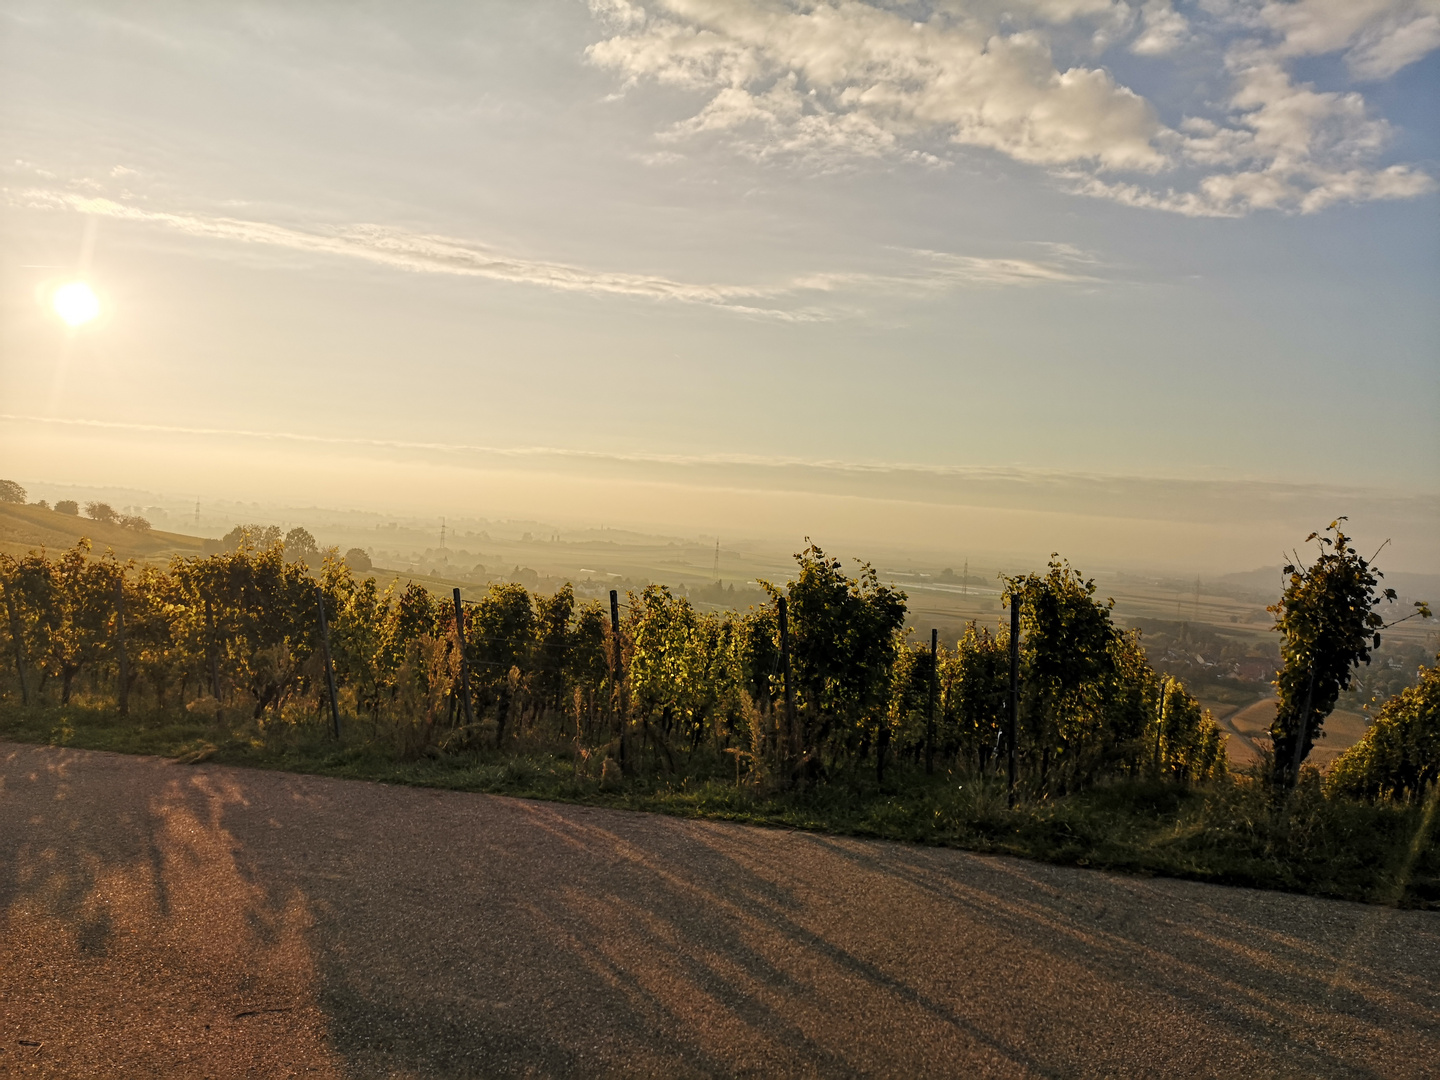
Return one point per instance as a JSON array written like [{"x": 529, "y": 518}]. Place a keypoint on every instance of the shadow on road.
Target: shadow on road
[{"x": 164, "y": 919}]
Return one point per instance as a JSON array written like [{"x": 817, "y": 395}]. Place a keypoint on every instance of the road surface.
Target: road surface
[{"x": 159, "y": 919}]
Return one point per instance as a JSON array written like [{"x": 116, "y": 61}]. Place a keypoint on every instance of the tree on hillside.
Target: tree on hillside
[
  {"x": 358, "y": 560},
  {"x": 11, "y": 492},
  {"x": 67, "y": 506},
  {"x": 1327, "y": 615},
  {"x": 100, "y": 511},
  {"x": 251, "y": 537},
  {"x": 300, "y": 544}
]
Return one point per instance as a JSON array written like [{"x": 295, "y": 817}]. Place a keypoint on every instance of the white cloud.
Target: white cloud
[
  {"x": 1289, "y": 146},
  {"x": 1388, "y": 53},
  {"x": 1164, "y": 29},
  {"x": 398, "y": 249},
  {"x": 835, "y": 80},
  {"x": 1379, "y": 37},
  {"x": 1054, "y": 11},
  {"x": 848, "y": 77}
]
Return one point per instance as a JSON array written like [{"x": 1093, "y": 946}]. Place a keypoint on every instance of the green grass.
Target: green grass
[{"x": 1226, "y": 833}]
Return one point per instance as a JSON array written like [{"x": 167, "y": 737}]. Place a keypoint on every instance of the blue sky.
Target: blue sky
[{"x": 1045, "y": 240}]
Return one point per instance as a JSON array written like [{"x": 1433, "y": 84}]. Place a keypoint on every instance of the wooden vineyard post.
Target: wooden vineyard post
[
  {"x": 120, "y": 642},
  {"x": 464, "y": 662},
  {"x": 930, "y": 711},
  {"x": 615, "y": 673},
  {"x": 1014, "y": 709},
  {"x": 329, "y": 667},
  {"x": 796, "y": 748},
  {"x": 17, "y": 641}
]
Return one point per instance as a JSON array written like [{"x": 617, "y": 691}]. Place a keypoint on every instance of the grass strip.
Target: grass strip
[{"x": 1227, "y": 832}]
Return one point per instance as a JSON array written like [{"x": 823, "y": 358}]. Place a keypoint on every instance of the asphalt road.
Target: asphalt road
[{"x": 169, "y": 920}]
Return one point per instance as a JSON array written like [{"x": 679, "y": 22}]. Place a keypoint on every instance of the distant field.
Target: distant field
[
  {"x": 1249, "y": 730},
  {"x": 25, "y": 527}
]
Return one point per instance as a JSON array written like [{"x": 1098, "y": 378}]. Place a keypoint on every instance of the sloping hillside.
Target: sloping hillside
[{"x": 25, "y": 527}]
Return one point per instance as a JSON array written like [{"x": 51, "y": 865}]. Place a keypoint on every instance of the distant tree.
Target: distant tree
[
  {"x": 299, "y": 544},
  {"x": 99, "y": 511},
  {"x": 252, "y": 537},
  {"x": 42, "y": 504},
  {"x": 11, "y": 492},
  {"x": 133, "y": 521},
  {"x": 67, "y": 506},
  {"x": 1327, "y": 615},
  {"x": 358, "y": 560}
]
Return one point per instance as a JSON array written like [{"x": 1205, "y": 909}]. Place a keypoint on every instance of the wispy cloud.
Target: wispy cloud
[
  {"x": 532, "y": 452},
  {"x": 431, "y": 254},
  {"x": 939, "y": 271},
  {"x": 423, "y": 253}
]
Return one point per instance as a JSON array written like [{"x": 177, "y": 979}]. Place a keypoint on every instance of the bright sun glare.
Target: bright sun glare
[{"x": 76, "y": 303}]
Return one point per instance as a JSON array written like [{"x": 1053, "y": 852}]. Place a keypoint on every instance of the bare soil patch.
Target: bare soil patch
[{"x": 1249, "y": 730}]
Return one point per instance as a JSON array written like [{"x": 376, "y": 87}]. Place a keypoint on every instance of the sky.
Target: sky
[{"x": 1150, "y": 283}]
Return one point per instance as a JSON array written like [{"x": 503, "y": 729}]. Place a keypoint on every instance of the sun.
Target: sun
[{"x": 76, "y": 303}]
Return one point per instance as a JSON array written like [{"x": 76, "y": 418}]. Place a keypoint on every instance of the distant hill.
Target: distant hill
[
  {"x": 1270, "y": 581},
  {"x": 25, "y": 527},
  {"x": 1265, "y": 581}
]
